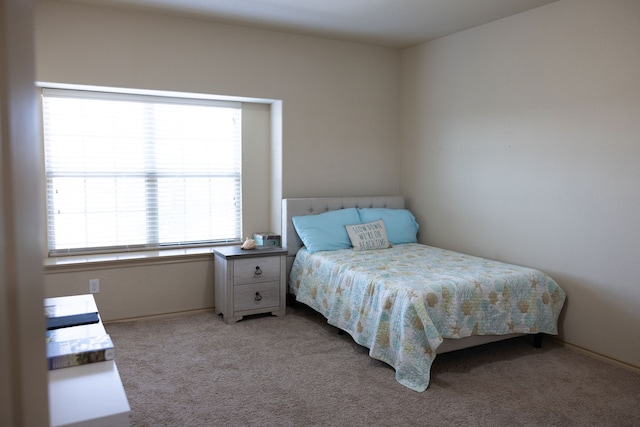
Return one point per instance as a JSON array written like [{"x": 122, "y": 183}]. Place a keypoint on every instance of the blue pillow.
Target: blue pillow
[
  {"x": 326, "y": 231},
  {"x": 401, "y": 225}
]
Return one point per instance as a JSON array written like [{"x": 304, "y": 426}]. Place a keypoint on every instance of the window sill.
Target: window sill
[{"x": 126, "y": 259}]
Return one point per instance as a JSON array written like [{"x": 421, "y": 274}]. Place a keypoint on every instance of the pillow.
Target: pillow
[
  {"x": 368, "y": 236},
  {"x": 400, "y": 224},
  {"x": 325, "y": 231}
]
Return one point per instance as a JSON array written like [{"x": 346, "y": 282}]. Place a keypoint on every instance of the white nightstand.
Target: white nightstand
[{"x": 249, "y": 281}]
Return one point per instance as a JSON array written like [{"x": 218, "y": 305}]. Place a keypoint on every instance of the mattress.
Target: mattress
[{"x": 402, "y": 302}]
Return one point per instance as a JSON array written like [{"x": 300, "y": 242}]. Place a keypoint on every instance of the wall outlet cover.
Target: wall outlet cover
[{"x": 94, "y": 286}]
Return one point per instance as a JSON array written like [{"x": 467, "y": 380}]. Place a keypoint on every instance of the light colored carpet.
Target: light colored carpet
[{"x": 194, "y": 370}]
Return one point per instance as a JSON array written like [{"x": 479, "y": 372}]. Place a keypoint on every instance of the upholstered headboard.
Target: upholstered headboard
[{"x": 310, "y": 206}]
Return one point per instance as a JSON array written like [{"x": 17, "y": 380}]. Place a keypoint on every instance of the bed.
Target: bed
[{"x": 404, "y": 301}]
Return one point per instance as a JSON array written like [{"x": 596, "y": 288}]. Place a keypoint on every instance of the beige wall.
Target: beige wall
[
  {"x": 340, "y": 100},
  {"x": 339, "y": 104},
  {"x": 521, "y": 142},
  {"x": 138, "y": 288}
]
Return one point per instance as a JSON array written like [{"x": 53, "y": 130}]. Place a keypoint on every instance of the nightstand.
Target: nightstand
[{"x": 249, "y": 281}]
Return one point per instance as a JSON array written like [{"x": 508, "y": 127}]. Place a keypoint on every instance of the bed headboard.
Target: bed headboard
[{"x": 310, "y": 206}]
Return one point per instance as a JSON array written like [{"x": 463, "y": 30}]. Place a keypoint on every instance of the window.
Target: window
[{"x": 127, "y": 172}]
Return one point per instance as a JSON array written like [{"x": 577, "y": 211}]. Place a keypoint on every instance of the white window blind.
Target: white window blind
[{"x": 127, "y": 172}]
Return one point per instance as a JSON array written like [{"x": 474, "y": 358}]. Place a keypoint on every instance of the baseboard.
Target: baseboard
[
  {"x": 591, "y": 353},
  {"x": 162, "y": 316}
]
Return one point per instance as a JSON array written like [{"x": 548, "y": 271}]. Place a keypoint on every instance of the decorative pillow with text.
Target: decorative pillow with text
[{"x": 371, "y": 235}]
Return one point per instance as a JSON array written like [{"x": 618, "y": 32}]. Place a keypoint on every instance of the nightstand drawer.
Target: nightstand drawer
[
  {"x": 256, "y": 270},
  {"x": 256, "y": 296}
]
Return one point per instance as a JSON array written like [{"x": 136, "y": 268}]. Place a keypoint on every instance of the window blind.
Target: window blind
[{"x": 127, "y": 172}]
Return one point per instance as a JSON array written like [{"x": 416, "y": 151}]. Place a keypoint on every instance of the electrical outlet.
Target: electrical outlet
[{"x": 94, "y": 286}]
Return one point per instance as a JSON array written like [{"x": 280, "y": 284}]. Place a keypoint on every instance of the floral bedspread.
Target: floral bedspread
[{"x": 401, "y": 302}]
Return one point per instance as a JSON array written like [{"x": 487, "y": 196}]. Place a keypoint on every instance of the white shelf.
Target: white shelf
[{"x": 89, "y": 395}]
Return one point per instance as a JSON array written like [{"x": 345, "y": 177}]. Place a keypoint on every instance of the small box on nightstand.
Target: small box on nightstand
[{"x": 267, "y": 239}]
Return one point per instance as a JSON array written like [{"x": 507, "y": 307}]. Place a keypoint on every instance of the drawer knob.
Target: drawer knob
[
  {"x": 258, "y": 296},
  {"x": 258, "y": 271}
]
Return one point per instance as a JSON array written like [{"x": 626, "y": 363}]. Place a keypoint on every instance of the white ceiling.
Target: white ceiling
[{"x": 394, "y": 23}]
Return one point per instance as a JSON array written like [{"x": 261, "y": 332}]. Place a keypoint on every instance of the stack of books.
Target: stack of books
[{"x": 75, "y": 334}]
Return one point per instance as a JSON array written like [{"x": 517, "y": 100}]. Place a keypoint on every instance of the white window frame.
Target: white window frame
[{"x": 190, "y": 99}]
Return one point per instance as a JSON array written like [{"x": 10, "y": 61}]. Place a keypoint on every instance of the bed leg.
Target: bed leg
[{"x": 537, "y": 340}]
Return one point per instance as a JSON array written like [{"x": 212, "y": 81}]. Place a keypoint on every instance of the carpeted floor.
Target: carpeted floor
[{"x": 194, "y": 370}]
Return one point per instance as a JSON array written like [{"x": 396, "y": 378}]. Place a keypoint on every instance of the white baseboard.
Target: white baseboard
[
  {"x": 591, "y": 353},
  {"x": 161, "y": 316}
]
